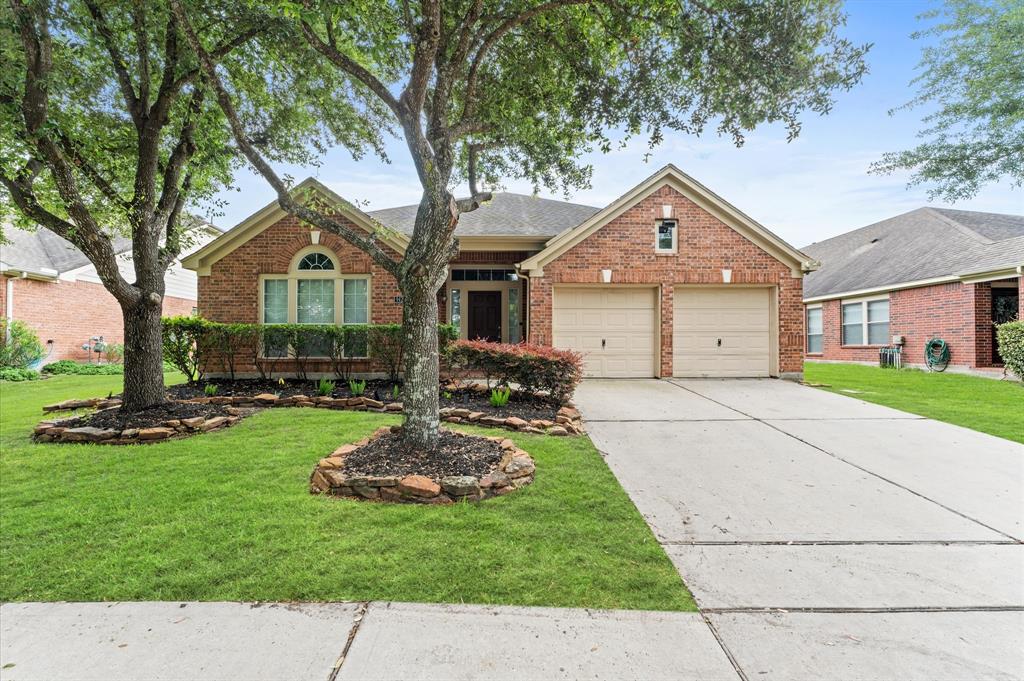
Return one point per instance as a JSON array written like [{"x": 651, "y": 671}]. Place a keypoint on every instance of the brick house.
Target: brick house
[
  {"x": 50, "y": 285},
  {"x": 668, "y": 280},
  {"x": 932, "y": 272}
]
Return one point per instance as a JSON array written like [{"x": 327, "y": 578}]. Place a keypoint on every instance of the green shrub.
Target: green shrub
[
  {"x": 500, "y": 396},
  {"x": 210, "y": 390},
  {"x": 17, "y": 374},
  {"x": 70, "y": 366},
  {"x": 385, "y": 344},
  {"x": 186, "y": 340},
  {"x": 114, "y": 353},
  {"x": 396, "y": 392},
  {"x": 1011, "y": 346},
  {"x": 324, "y": 387},
  {"x": 534, "y": 368},
  {"x": 355, "y": 387},
  {"x": 22, "y": 348}
]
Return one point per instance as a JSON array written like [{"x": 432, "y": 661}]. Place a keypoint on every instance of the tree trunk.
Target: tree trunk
[
  {"x": 143, "y": 356},
  {"x": 419, "y": 334}
]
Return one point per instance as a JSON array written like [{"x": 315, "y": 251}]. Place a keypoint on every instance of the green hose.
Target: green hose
[{"x": 936, "y": 354}]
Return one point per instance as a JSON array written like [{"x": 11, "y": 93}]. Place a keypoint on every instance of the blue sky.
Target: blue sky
[{"x": 806, "y": 190}]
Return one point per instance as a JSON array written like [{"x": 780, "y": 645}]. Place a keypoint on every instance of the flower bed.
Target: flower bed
[
  {"x": 108, "y": 426},
  {"x": 461, "y": 467}
]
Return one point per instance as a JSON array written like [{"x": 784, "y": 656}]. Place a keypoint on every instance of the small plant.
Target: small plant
[
  {"x": 280, "y": 382},
  {"x": 324, "y": 387},
  {"x": 210, "y": 390},
  {"x": 396, "y": 392},
  {"x": 500, "y": 396},
  {"x": 355, "y": 387},
  {"x": 446, "y": 395}
]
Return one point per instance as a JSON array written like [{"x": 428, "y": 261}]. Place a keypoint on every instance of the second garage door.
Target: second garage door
[
  {"x": 721, "y": 332},
  {"x": 612, "y": 326}
]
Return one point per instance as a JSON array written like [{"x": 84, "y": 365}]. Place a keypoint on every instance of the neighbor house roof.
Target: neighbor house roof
[
  {"x": 506, "y": 214},
  {"x": 927, "y": 245},
  {"x": 43, "y": 253}
]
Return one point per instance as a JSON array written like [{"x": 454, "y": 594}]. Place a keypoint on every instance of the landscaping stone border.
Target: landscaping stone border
[
  {"x": 515, "y": 470},
  {"x": 567, "y": 420},
  {"x": 53, "y": 431}
]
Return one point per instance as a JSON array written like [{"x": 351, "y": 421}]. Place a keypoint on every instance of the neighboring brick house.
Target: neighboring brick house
[
  {"x": 50, "y": 285},
  {"x": 929, "y": 273},
  {"x": 668, "y": 280}
]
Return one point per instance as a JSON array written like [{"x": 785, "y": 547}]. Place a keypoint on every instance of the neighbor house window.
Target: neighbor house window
[
  {"x": 866, "y": 322},
  {"x": 665, "y": 240},
  {"x": 315, "y": 292},
  {"x": 814, "y": 330}
]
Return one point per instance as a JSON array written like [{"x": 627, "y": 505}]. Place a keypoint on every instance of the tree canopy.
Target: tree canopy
[{"x": 972, "y": 79}]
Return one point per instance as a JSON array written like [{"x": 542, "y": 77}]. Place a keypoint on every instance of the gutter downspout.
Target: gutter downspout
[
  {"x": 525, "y": 305},
  {"x": 9, "y": 309}
]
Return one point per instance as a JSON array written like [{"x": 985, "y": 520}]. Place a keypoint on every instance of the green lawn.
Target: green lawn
[
  {"x": 227, "y": 516},
  {"x": 995, "y": 407}
]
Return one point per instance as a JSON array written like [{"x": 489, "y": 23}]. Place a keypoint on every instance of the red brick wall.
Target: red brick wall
[
  {"x": 69, "y": 313},
  {"x": 960, "y": 314},
  {"x": 705, "y": 247}
]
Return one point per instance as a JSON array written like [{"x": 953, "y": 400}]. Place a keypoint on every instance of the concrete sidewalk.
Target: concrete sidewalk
[{"x": 349, "y": 641}]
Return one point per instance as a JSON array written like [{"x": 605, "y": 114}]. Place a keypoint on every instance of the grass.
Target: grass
[
  {"x": 983, "y": 404},
  {"x": 227, "y": 516}
]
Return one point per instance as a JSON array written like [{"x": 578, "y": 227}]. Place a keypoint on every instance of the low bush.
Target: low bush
[
  {"x": 500, "y": 396},
  {"x": 70, "y": 366},
  {"x": 534, "y": 368},
  {"x": 17, "y": 374},
  {"x": 19, "y": 344},
  {"x": 1011, "y": 346}
]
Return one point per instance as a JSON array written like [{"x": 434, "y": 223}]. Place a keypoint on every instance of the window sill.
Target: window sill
[
  {"x": 815, "y": 354},
  {"x": 666, "y": 253},
  {"x": 863, "y": 346}
]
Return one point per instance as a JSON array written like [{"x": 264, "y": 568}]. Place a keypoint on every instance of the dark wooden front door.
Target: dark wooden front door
[
  {"x": 485, "y": 315},
  {"x": 1004, "y": 309}
]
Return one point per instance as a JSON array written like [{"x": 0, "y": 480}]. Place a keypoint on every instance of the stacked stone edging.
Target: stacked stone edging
[
  {"x": 53, "y": 431},
  {"x": 515, "y": 470}
]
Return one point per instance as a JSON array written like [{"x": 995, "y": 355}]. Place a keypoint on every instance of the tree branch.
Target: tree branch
[
  {"x": 117, "y": 61},
  {"x": 415, "y": 92},
  {"x": 71, "y": 150},
  {"x": 284, "y": 197}
]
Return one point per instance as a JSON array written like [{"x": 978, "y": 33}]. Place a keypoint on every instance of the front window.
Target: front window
[
  {"x": 814, "y": 330},
  {"x": 866, "y": 322},
  {"x": 315, "y": 304},
  {"x": 666, "y": 237}
]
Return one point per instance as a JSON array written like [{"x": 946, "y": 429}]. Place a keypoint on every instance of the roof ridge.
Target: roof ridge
[{"x": 956, "y": 224}]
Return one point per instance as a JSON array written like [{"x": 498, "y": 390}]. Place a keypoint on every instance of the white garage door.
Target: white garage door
[
  {"x": 721, "y": 332},
  {"x": 612, "y": 327}
]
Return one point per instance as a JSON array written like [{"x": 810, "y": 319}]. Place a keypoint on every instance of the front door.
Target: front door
[
  {"x": 485, "y": 316},
  {"x": 1004, "y": 309}
]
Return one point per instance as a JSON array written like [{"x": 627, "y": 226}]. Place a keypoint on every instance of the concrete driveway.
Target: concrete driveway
[{"x": 824, "y": 536}]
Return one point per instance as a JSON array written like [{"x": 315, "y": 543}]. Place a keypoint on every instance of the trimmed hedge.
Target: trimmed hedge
[
  {"x": 70, "y": 366},
  {"x": 534, "y": 368},
  {"x": 1011, "y": 346},
  {"x": 195, "y": 345}
]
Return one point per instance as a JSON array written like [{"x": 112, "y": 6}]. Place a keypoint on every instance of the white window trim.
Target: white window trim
[
  {"x": 675, "y": 237},
  {"x": 807, "y": 330},
  {"x": 863, "y": 320},
  {"x": 294, "y": 275}
]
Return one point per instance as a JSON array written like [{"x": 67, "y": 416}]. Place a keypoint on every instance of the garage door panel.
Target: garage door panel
[
  {"x": 739, "y": 318},
  {"x": 623, "y": 318}
]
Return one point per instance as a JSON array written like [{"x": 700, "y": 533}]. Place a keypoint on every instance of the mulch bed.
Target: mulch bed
[
  {"x": 147, "y": 418},
  {"x": 454, "y": 455}
]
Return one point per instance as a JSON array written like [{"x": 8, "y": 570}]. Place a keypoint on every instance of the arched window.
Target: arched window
[{"x": 316, "y": 261}]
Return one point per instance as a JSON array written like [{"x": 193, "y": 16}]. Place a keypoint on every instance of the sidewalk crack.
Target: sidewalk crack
[{"x": 357, "y": 621}]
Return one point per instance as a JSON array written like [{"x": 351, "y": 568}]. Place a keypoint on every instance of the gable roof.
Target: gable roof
[
  {"x": 691, "y": 189},
  {"x": 920, "y": 246},
  {"x": 506, "y": 214},
  {"x": 202, "y": 259},
  {"x": 45, "y": 254}
]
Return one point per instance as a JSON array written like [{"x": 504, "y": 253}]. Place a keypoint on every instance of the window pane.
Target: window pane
[
  {"x": 315, "y": 301},
  {"x": 814, "y": 321},
  {"x": 853, "y": 334},
  {"x": 355, "y": 301},
  {"x": 878, "y": 333},
  {"x": 458, "y": 275},
  {"x": 853, "y": 313},
  {"x": 513, "y": 315},
  {"x": 275, "y": 301},
  {"x": 878, "y": 311},
  {"x": 814, "y": 343},
  {"x": 665, "y": 232},
  {"x": 456, "y": 308},
  {"x": 316, "y": 261}
]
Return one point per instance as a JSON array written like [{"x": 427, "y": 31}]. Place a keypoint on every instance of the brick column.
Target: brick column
[{"x": 667, "y": 300}]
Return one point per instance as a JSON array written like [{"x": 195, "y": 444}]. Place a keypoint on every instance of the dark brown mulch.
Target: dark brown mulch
[
  {"x": 147, "y": 418},
  {"x": 454, "y": 455},
  {"x": 521, "y": 405}
]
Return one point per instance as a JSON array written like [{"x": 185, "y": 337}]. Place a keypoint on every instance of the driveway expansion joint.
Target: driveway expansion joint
[
  {"x": 357, "y": 621},
  {"x": 725, "y": 649}
]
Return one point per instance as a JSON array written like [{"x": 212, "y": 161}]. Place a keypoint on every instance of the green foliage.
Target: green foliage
[
  {"x": 69, "y": 366},
  {"x": 396, "y": 392},
  {"x": 210, "y": 389},
  {"x": 355, "y": 387},
  {"x": 1011, "y": 346},
  {"x": 185, "y": 342},
  {"x": 22, "y": 348},
  {"x": 500, "y": 396},
  {"x": 534, "y": 368},
  {"x": 324, "y": 387},
  {"x": 386, "y": 346},
  {"x": 17, "y": 374},
  {"x": 972, "y": 82},
  {"x": 114, "y": 352}
]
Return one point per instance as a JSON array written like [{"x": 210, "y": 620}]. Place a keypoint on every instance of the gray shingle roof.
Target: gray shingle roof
[
  {"x": 923, "y": 244},
  {"x": 506, "y": 214}
]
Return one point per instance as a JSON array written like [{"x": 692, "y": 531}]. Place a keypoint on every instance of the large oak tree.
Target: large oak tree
[
  {"x": 108, "y": 128},
  {"x": 481, "y": 91}
]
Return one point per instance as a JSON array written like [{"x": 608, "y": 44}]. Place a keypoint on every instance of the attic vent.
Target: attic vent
[{"x": 875, "y": 240}]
